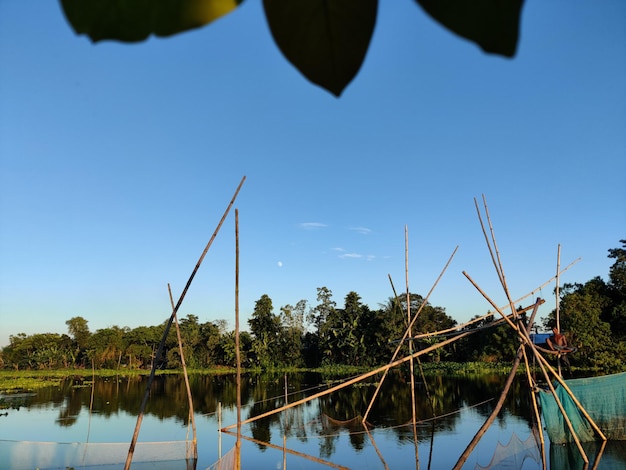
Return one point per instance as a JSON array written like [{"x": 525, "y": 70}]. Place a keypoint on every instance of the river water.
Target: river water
[{"x": 326, "y": 432}]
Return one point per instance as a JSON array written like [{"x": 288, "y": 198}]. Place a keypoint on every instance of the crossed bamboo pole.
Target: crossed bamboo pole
[
  {"x": 522, "y": 333},
  {"x": 518, "y": 327},
  {"x": 408, "y": 332},
  {"x": 354, "y": 380}
]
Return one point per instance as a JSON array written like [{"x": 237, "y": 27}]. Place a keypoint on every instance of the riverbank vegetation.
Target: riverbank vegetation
[{"x": 593, "y": 318}]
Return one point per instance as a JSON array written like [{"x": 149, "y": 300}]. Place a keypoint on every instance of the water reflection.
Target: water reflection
[{"x": 324, "y": 426}]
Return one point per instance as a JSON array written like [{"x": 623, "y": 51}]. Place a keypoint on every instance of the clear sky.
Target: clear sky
[{"x": 117, "y": 162}]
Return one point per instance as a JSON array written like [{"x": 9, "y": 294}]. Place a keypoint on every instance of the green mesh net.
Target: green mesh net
[{"x": 604, "y": 399}]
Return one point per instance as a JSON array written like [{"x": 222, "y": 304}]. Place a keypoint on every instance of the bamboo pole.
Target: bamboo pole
[
  {"x": 483, "y": 429},
  {"x": 536, "y": 412},
  {"x": 133, "y": 442},
  {"x": 491, "y": 253},
  {"x": 286, "y": 424},
  {"x": 380, "y": 456},
  {"x": 599, "y": 455},
  {"x": 564, "y": 413},
  {"x": 497, "y": 261},
  {"x": 189, "y": 397},
  {"x": 406, "y": 333},
  {"x": 237, "y": 345},
  {"x": 411, "y": 368},
  {"x": 465, "y": 325},
  {"x": 558, "y": 316},
  {"x": 533, "y": 389},
  {"x": 558, "y": 263},
  {"x": 219, "y": 433}
]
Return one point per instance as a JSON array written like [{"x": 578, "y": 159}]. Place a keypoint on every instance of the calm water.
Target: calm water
[{"x": 324, "y": 429}]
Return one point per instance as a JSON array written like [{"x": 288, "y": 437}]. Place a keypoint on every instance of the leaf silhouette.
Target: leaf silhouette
[
  {"x": 492, "y": 24},
  {"x": 326, "y": 40},
  {"x": 136, "y": 20}
]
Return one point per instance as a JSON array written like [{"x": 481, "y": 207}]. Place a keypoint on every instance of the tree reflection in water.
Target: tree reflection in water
[{"x": 322, "y": 426}]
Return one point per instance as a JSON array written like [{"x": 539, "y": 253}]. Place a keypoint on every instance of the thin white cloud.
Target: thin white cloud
[
  {"x": 312, "y": 225},
  {"x": 361, "y": 230},
  {"x": 339, "y": 249},
  {"x": 350, "y": 255}
]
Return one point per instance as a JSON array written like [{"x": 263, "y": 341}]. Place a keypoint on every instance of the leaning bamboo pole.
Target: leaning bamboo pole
[
  {"x": 406, "y": 333},
  {"x": 564, "y": 413},
  {"x": 131, "y": 449},
  {"x": 380, "y": 455},
  {"x": 483, "y": 429},
  {"x": 182, "y": 361},
  {"x": 533, "y": 393},
  {"x": 465, "y": 325},
  {"x": 495, "y": 254},
  {"x": 490, "y": 314}
]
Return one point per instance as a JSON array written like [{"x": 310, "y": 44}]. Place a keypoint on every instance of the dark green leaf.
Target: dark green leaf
[
  {"x": 135, "y": 20},
  {"x": 492, "y": 24},
  {"x": 326, "y": 40}
]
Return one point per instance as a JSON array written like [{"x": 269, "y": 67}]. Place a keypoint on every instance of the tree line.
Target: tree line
[{"x": 592, "y": 316}]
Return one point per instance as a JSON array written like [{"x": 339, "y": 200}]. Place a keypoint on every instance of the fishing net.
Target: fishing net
[
  {"x": 513, "y": 454},
  {"x": 330, "y": 425},
  {"x": 227, "y": 462},
  {"x": 26, "y": 455},
  {"x": 604, "y": 399}
]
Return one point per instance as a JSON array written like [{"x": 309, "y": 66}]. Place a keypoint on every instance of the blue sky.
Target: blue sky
[{"x": 117, "y": 162}]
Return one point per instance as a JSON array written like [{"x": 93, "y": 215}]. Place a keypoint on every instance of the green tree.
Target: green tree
[
  {"x": 347, "y": 333},
  {"x": 616, "y": 313},
  {"x": 107, "y": 346},
  {"x": 39, "y": 351},
  {"x": 265, "y": 327},
  {"x": 227, "y": 345},
  {"x": 582, "y": 309},
  {"x": 78, "y": 329},
  {"x": 316, "y": 341},
  {"x": 210, "y": 350},
  {"x": 142, "y": 344},
  {"x": 593, "y": 317},
  {"x": 292, "y": 320}
]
